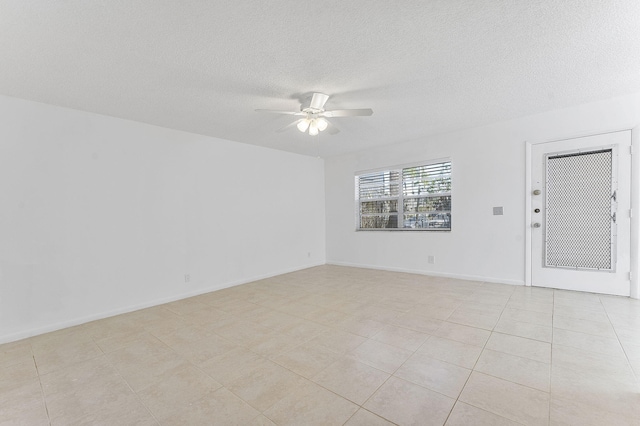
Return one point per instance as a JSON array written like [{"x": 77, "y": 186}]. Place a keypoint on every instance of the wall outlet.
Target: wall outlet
[
  {"x": 431, "y": 259},
  {"x": 498, "y": 211},
  {"x": 187, "y": 278}
]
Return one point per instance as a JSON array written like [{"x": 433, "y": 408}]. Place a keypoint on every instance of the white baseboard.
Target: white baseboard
[
  {"x": 431, "y": 273},
  {"x": 77, "y": 321}
]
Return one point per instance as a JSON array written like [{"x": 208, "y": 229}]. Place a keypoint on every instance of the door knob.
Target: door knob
[
  {"x": 536, "y": 225},
  {"x": 536, "y": 192},
  {"x": 537, "y": 211}
]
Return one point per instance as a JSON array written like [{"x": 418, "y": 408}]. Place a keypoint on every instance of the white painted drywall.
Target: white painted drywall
[
  {"x": 488, "y": 169},
  {"x": 100, "y": 215}
]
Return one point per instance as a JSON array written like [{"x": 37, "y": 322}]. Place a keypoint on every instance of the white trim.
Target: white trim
[
  {"x": 430, "y": 273},
  {"x": 78, "y": 321},
  {"x": 634, "y": 250},
  {"x": 584, "y": 135},
  {"x": 527, "y": 216},
  {"x": 635, "y": 218}
]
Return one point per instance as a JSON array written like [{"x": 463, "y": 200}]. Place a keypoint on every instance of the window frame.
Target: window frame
[{"x": 401, "y": 196}]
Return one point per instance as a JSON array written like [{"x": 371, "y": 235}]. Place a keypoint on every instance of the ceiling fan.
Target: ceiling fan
[{"x": 314, "y": 116}]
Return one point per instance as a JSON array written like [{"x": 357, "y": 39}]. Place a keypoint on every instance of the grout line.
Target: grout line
[
  {"x": 44, "y": 398},
  {"x": 635, "y": 374}
]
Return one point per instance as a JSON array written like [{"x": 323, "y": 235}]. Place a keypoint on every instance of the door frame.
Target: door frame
[{"x": 634, "y": 203}]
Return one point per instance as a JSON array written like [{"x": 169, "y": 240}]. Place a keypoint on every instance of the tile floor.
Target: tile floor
[{"x": 338, "y": 346}]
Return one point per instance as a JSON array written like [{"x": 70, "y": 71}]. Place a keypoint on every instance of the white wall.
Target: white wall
[
  {"x": 100, "y": 215},
  {"x": 488, "y": 169}
]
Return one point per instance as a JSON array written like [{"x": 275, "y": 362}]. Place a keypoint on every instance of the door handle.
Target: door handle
[{"x": 536, "y": 225}]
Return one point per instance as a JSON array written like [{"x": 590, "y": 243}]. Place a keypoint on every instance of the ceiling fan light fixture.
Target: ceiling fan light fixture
[
  {"x": 313, "y": 128},
  {"x": 322, "y": 124},
  {"x": 303, "y": 125},
  {"x": 312, "y": 118}
]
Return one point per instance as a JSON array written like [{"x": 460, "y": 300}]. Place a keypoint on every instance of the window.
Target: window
[{"x": 405, "y": 198}]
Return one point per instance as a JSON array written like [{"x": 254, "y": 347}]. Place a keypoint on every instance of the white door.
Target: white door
[{"x": 580, "y": 213}]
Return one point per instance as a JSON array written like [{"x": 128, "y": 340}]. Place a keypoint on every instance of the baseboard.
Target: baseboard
[
  {"x": 430, "y": 273},
  {"x": 83, "y": 320}
]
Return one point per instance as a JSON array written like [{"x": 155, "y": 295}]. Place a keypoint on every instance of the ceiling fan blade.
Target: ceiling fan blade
[
  {"x": 348, "y": 112},
  {"x": 288, "y": 126},
  {"x": 318, "y": 100},
  {"x": 281, "y": 112}
]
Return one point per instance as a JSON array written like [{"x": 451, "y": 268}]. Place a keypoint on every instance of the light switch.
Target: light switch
[{"x": 497, "y": 211}]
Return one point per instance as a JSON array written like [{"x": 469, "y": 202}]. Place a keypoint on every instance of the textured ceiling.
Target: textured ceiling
[{"x": 424, "y": 67}]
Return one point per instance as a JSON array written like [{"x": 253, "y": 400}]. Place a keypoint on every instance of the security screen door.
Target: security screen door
[{"x": 580, "y": 215}]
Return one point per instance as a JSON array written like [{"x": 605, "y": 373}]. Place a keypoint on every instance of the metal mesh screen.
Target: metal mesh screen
[{"x": 578, "y": 210}]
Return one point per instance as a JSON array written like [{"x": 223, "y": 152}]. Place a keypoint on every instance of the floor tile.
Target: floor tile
[
  {"x": 465, "y": 414},
  {"x": 380, "y": 355},
  {"x": 516, "y": 369},
  {"x": 361, "y": 327},
  {"x": 405, "y": 403},
  {"x": 463, "y": 333},
  {"x": 197, "y": 344},
  {"x": 531, "y": 317},
  {"x": 311, "y": 404},
  {"x": 440, "y": 376},
  {"x": 338, "y": 341},
  {"x": 97, "y": 372},
  {"x": 474, "y": 319},
  {"x": 261, "y": 420},
  {"x": 61, "y": 356},
  {"x": 220, "y": 407},
  {"x": 602, "y": 392},
  {"x": 326, "y": 316},
  {"x": 114, "y": 410},
  {"x": 602, "y": 345},
  {"x": 401, "y": 337},
  {"x": 524, "y": 329},
  {"x": 23, "y": 404},
  {"x": 520, "y": 346},
  {"x": 598, "y": 315},
  {"x": 596, "y": 328},
  {"x": 303, "y": 329},
  {"x": 416, "y": 320},
  {"x": 79, "y": 400},
  {"x": 145, "y": 371},
  {"x": 458, "y": 353},
  {"x": 17, "y": 373},
  {"x": 306, "y": 360},
  {"x": 595, "y": 363},
  {"x": 568, "y": 413},
  {"x": 145, "y": 346},
  {"x": 230, "y": 365},
  {"x": 375, "y": 347},
  {"x": 177, "y": 392},
  {"x": 15, "y": 353},
  {"x": 263, "y": 384},
  {"x": 530, "y": 305},
  {"x": 506, "y": 399},
  {"x": 205, "y": 316},
  {"x": 275, "y": 344},
  {"x": 351, "y": 379},
  {"x": 363, "y": 417}
]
